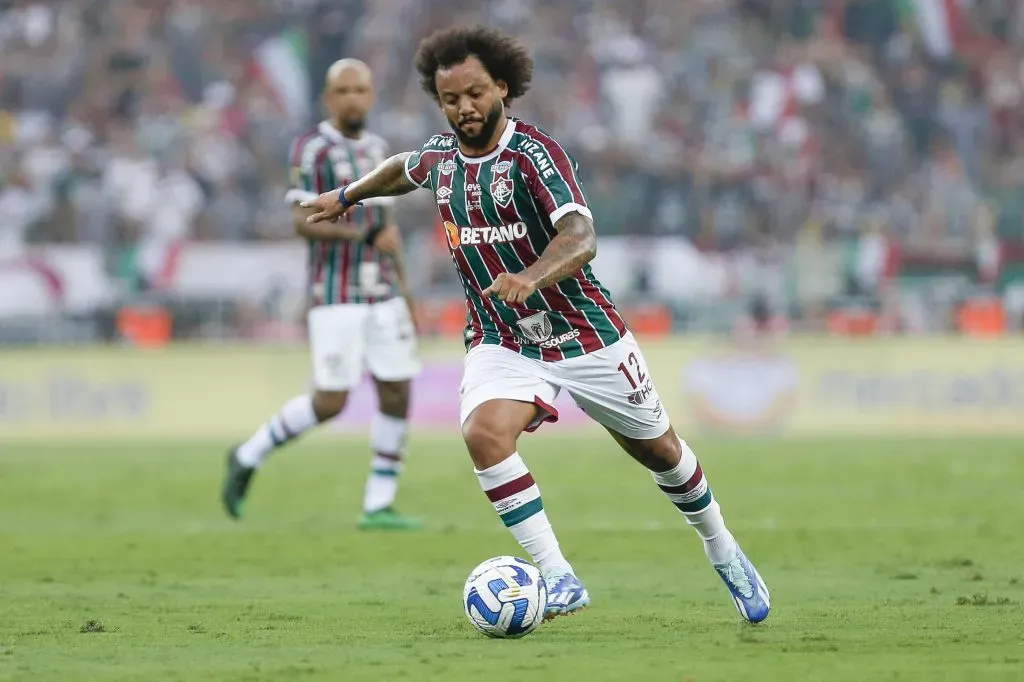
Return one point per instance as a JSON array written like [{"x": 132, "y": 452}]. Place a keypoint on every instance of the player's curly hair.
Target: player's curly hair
[{"x": 504, "y": 57}]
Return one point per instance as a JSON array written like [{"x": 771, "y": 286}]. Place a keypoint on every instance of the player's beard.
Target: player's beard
[
  {"x": 352, "y": 125},
  {"x": 490, "y": 124}
]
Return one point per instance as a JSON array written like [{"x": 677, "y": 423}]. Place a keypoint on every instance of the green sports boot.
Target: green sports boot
[
  {"x": 236, "y": 483},
  {"x": 388, "y": 519}
]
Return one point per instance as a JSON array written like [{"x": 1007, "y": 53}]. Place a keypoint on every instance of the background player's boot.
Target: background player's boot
[
  {"x": 236, "y": 483},
  {"x": 748, "y": 590},
  {"x": 566, "y": 595},
  {"x": 388, "y": 519}
]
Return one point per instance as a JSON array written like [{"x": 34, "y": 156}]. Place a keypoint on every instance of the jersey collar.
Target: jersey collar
[{"x": 506, "y": 137}]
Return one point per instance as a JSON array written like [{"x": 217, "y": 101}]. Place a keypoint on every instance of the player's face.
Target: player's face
[
  {"x": 472, "y": 102},
  {"x": 349, "y": 97}
]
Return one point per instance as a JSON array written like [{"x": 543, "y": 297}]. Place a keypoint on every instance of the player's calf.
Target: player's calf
[
  {"x": 295, "y": 417},
  {"x": 679, "y": 475},
  {"x": 491, "y": 432},
  {"x": 388, "y": 432}
]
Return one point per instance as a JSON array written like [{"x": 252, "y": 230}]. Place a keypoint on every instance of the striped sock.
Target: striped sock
[
  {"x": 295, "y": 417},
  {"x": 687, "y": 488},
  {"x": 387, "y": 439},
  {"x": 511, "y": 489}
]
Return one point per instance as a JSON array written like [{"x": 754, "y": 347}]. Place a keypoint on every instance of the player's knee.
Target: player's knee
[
  {"x": 664, "y": 452},
  {"x": 488, "y": 443},
  {"x": 394, "y": 398},
  {"x": 329, "y": 404},
  {"x": 657, "y": 454}
]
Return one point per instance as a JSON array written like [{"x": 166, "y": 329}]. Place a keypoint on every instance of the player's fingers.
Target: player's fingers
[
  {"x": 317, "y": 217},
  {"x": 508, "y": 291},
  {"x": 496, "y": 286}
]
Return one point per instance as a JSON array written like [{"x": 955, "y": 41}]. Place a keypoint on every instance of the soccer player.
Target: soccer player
[
  {"x": 357, "y": 319},
  {"x": 538, "y": 321}
]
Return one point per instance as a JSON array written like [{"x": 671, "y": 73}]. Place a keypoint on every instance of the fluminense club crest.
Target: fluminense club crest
[{"x": 501, "y": 183}]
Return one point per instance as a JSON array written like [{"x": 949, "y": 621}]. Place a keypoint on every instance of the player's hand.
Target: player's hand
[
  {"x": 328, "y": 205},
  {"x": 512, "y": 288},
  {"x": 389, "y": 240}
]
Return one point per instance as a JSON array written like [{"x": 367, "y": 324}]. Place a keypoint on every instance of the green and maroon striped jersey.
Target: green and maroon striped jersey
[
  {"x": 342, "y": 271},
  {"x": 499, "y": 213}
]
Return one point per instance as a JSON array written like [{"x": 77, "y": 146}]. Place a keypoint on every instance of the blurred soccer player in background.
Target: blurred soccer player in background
[{"x": 359, "y": 317}]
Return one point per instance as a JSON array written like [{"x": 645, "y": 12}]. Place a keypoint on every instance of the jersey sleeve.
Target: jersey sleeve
[
  {"x": 551, "y": 175},
  {"x": 311, "y": 172},
  {"x": 420, "y": 163}
]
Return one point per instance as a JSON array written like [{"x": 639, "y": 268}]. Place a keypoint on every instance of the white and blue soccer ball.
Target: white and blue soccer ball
[{"x": 505, "y": 597}]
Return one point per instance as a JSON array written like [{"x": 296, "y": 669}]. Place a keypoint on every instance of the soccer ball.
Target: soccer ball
[{"x": 505, "y": 597}]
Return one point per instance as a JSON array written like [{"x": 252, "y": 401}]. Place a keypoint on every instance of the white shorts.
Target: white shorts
[
  {"x": 348, "y": 338},
  {"x": 611, "y": 385}
]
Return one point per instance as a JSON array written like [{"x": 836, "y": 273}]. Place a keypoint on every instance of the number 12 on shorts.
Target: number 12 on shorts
[{"x": 634, "y": 363}]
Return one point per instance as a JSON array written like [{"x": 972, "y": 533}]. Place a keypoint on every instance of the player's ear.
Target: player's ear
[{"x": 502, "y": 88}]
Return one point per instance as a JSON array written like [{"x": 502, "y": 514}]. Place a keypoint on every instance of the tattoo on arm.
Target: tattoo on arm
[
  {"x": 574, "y": 246},
  {"x": 386, "y": 180},
  {"x": 322, "y": 231}
]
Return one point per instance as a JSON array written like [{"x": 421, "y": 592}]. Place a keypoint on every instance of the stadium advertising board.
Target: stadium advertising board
[
  {"x": 885, "y": 387},
  {"x": 196, "y": 392},
  {"x": 803, "y": 386}
]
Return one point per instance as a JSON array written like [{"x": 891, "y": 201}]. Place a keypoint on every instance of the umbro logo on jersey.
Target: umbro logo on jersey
[
  {"x": 442, "y": 195},
  {"x": 468, "y": 236}
]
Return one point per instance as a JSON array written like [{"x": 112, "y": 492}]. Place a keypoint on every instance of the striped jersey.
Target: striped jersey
[
  {"x": 342, "y": 271},
  {"x": 499, "y": 212}
]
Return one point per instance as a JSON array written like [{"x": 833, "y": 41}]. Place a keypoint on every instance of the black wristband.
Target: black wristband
[
  {"x": 345, "y": 203},
  {"x": 372, "y": 234}
]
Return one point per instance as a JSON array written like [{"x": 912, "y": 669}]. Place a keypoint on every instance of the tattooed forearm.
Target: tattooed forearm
[
  {"x": 386, "y": 180},
  {"x": 574, "y": 246}
]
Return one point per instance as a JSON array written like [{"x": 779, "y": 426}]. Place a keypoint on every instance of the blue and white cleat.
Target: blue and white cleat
[
  {"x": 566, "y": 595},
  {"x": 749, "y": 592}
]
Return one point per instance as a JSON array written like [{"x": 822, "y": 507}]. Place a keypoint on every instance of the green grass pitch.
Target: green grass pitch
[{"x": 887, "y": 560}]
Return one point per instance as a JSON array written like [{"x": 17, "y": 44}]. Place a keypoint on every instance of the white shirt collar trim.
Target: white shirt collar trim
[{"x": 506, "y": 137}]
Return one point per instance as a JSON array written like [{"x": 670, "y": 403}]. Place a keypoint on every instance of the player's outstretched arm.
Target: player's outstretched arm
[
  {"x": 386, "y": 180},
  {"x": 574, "y": 246},
  {"x": 322, "y": 231}
]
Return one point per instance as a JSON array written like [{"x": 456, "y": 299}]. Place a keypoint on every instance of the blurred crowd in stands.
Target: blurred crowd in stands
[{"x": 729, "y": 122}]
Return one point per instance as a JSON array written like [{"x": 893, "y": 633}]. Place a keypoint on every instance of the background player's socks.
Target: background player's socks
[
  {"x": 511, "y": 489},
  {"x": 688, "y": 490},
  {"x": 296, "y": 416},
  {"x": 387, "y": 440}
]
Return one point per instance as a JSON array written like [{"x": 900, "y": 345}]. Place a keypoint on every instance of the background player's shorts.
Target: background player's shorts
[
  {"x": 348, "y": 338},
  {"x": 611, "y": 385}
]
